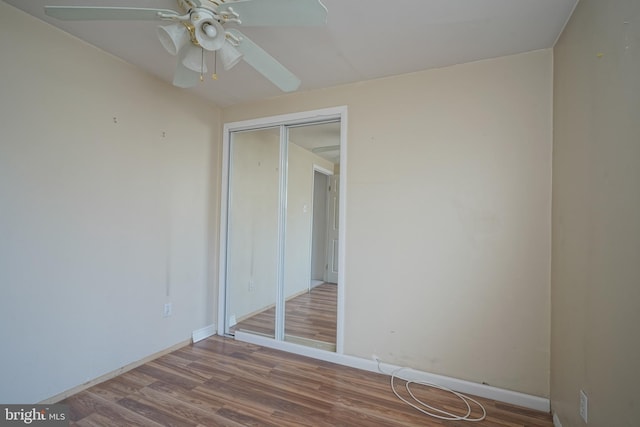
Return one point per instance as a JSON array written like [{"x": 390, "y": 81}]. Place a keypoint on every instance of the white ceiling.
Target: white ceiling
[{"x": 363, "y": 39}]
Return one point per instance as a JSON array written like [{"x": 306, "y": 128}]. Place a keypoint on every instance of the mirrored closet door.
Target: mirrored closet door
[
  {"x": 282, "y": 233},
  {"x": 252, "y": 231}
]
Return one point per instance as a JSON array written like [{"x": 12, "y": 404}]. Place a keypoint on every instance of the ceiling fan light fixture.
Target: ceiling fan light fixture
[
  {"x": 209, "y": 32},
  {"x": 229, "y": 55},
  {"x": 173, "y": 37},
  {"x": 193, "y": 59},
  {"x": 199, "y": 26}
]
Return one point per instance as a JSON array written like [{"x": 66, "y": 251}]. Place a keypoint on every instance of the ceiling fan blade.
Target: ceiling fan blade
[
  {"x": 89, "y": 13},
  {"x": 265, "y": 64},
  {"x": 184, "y": 77},
  {"x": 278, "y": 12}
]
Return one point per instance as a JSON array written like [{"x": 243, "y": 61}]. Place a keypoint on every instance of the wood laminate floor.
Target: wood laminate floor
[
  {"x": 310, "y": 316},
  {"x": 223, "y": 382}
]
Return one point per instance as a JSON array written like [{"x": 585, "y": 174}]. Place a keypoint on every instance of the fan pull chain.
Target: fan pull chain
[
  {"x": 201, "y": 64},
  {"x": 214, "y": 76}
]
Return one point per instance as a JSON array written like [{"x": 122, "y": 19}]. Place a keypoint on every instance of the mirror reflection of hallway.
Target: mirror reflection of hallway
[{"x": 309, "y": 279}]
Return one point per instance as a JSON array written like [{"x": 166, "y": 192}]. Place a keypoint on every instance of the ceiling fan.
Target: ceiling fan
[{"x": 201, "y": 27}]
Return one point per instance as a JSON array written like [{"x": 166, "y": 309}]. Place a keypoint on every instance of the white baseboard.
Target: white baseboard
[
  {"x": 109, "y": 375},
  {"x": 462, "y": 386},
  {"x": 556, "y": 421},
  {"x": 202, "y": 333}
]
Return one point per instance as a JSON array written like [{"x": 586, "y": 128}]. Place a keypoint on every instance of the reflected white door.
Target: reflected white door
[
  {"x": 333, "y": 229},
  {"x": 319, "y": 228}
]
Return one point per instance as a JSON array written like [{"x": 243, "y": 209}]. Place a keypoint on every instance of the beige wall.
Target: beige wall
[
  {"x": 101, "y": 223},
  {"x": 596, "y": 215},
  {"x": 448, "y": 217}
]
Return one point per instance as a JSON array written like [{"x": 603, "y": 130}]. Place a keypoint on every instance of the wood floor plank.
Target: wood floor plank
[
  {"x": 200, "y": 414},
  {"x": 99, "y": 420},
  {"x": 245, "y": 418},
  {"x": 193, "y": 397},
  {"x": 154, "y": 411},
  {"x": 168, "y": 375},
  {"x": 117, "y": 388},
  {"x": 223, "y": 382},
  {"x": 89, "y": 405}
]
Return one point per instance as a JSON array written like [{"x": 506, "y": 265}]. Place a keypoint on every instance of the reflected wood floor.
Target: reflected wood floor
[
  {"x": 223, "y": 382},
  {"x": 311, "y": 315}
]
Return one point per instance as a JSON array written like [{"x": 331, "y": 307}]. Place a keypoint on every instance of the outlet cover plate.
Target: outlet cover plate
[{"x": 584, "y": 406}]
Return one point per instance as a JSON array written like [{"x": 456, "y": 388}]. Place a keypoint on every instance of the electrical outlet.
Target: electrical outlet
[
  {"x": 584, "y": 406},
  {"x": 167, "y": 310}
]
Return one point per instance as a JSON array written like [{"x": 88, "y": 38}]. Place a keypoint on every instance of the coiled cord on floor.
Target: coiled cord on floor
[{"x": 424, "y": 407}]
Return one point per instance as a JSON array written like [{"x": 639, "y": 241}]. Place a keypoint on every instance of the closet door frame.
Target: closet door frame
[{"x": 282, "y": 121}]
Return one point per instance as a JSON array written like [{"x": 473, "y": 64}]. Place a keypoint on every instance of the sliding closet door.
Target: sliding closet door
[
  {"x": 275, "y": 220},
  {"x": 252, "y": 232},
  {"x": 313, "y": 152}
]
